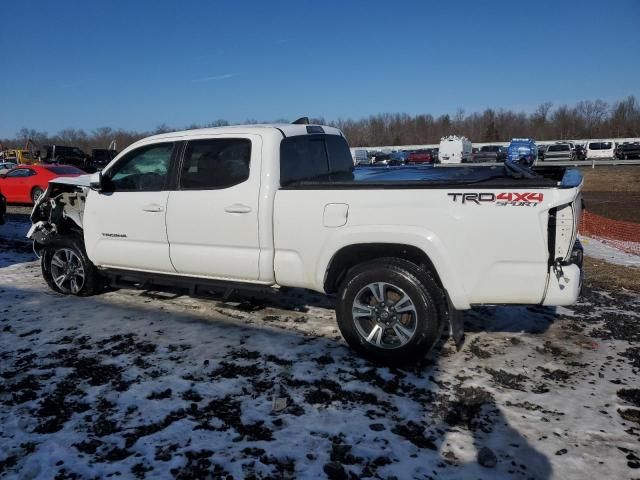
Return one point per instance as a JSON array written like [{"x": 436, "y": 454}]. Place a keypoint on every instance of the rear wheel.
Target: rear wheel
[
  {"x": 388, "y": 311},
  {"x": 36, "y": 193},
  {"x": 66, "y": 268}
]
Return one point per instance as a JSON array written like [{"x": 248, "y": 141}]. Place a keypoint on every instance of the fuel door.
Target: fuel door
[{"x": 335, "y": 215}]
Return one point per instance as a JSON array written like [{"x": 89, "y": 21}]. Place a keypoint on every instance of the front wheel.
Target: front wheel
[
  {"x": 67, "y": 269},
  {"x": 388, "y": 311}
]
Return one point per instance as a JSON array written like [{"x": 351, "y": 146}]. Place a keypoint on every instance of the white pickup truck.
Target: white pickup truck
[{"x": 404, "y": 248}]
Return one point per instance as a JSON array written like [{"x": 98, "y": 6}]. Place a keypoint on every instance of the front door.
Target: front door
[
  {"x": 124, "y": 224},
  {"x": 15, "y": 186},
  {"x": 212, "y": 216}
]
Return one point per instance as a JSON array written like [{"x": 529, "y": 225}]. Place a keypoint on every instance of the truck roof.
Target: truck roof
[{"x": 284, "y": 129}]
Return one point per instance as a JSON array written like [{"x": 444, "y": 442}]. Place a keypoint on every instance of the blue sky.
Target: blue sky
[{"x": 138, "y": 64}]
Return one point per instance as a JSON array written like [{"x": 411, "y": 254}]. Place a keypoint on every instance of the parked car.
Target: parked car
[
  {"x": 381, "y": 159},
  {"x": 270, "y": 205},
  {"x": 6, "y": 166},
  {"x": 3, "y": 207},
  {"x": 66, "y": 155},
  {"x": 454, "y": 149},
  {"x": 600, "y": 149},
  {"x": 491, "y": 153},
  {"x": 399, "y": 158},
  {"x": 541, "y": 151},
  {"x": 625, "y": 151},
  {"x": 422, "y": 156},
  {"x": 559, "y": 151},
  {"x": 522, "y": 150},
  {"x": 26, "y": 183}
]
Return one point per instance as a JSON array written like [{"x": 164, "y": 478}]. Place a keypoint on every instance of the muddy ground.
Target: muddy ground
[{"x": 613, "y": 191}]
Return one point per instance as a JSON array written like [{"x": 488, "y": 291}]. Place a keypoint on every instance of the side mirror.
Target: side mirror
[
  {"x": 95, "y": 182},
  {"x": 3, "y": 175}
]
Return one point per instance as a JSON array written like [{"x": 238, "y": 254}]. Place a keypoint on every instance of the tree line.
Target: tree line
[{"x": 587, "y": 119}]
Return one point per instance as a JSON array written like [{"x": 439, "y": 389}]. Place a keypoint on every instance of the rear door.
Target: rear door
[
  {"x": 212, "y": 216},
  {"x": 124, "y": 225}
]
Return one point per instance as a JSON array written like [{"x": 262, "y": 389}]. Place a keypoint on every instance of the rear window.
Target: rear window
[
  {"x": 605, "y": 145},
  {"x": 65, "y": 170},
  {"x": 307, "y": 157},
  {"x": 490, "y": 149}
]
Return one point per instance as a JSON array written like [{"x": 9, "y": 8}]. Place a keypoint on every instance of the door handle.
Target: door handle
[
  {"x": 237, "y": 208},
  {"x": 153, "y": 207}
]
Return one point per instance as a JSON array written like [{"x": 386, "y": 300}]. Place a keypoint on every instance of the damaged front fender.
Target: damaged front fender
[{"x": 59, "y": 211}]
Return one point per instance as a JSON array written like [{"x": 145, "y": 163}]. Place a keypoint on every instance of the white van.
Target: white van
[
  {"x": 600, "y": 149},
  {"x": 454, "y": 149}
]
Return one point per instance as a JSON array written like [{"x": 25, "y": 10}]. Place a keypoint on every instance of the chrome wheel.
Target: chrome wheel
[
  {"x": 67, "y": 271},
  {"x": 384, "y": 315}
]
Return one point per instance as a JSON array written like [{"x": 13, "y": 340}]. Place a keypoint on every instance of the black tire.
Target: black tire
[
  {"x": 425, "y": 320},
  {"x": 50, "y": 261},
  {"x": 36, "y": 192}
]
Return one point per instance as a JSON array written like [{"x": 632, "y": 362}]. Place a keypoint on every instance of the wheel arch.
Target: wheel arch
[
  {"x": 422, "y": 251},
  {"x": 355, "y": 254}
]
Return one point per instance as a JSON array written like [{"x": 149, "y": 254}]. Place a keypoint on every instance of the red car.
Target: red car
[
  {"x": 24, "y": 184},
  {"x": 421, "y": 156}
]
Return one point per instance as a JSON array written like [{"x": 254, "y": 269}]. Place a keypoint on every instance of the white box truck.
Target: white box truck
[{"x": 454, "y": 149}]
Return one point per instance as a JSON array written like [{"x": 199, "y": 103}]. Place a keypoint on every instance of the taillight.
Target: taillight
[{"x": 565, "y": 232}]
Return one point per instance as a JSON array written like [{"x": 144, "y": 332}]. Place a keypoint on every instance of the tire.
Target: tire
[
  {"x": 36, "y": 192},
  {"x": 67, "y": 257},
  {"x": 374, "y": 328}
]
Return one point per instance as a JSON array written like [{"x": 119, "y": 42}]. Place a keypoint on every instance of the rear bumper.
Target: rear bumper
[{"x": 564, "y": 288}]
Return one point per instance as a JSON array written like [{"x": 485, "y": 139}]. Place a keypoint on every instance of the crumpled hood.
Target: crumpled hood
[{"x": 80, "y": 181}]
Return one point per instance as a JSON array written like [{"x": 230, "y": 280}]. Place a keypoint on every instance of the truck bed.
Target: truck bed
[{"x": 426, "y": 177}]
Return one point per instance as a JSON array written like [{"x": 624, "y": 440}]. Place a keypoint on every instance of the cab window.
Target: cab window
[
  {"x": 142, "y": 170},
  {"x": 215, "y": 163}
]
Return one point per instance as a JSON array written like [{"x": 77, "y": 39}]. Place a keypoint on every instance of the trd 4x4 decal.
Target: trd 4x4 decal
[{"x": 502, "y": 199}]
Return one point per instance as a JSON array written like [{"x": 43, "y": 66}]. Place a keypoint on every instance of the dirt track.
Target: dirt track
[{"x": 613, "y": 192}]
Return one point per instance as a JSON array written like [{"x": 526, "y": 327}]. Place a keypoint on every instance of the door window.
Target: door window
[
  {"x": 20, "y": 172},
  {"x": 215, "y": 163},
  {"x": 142, "y": 170}
]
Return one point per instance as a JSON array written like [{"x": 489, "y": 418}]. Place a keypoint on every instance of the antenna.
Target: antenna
[{"x": 301, "y": 121}]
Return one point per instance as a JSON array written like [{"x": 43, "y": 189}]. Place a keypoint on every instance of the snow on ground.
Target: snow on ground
[
  {"x": 598, "y": 249},
  {"x": 15, "y": 227},
  {"x": 155, "y": 384}
]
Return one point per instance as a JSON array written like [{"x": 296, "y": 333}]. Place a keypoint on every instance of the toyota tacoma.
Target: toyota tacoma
[{"x": 404, "y": 249}]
